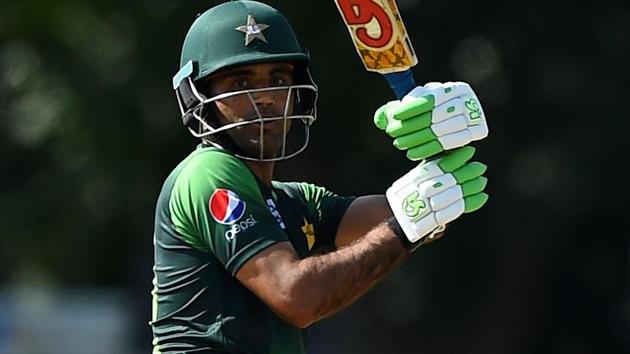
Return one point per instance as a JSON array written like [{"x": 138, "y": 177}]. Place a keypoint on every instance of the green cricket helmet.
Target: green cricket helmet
[{"x": 234, "y": 34}]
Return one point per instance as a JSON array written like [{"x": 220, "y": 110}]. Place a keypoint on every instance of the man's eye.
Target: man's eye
[
  {"x": 241, "y": 84},
  {"x": 281, "y": 81}
]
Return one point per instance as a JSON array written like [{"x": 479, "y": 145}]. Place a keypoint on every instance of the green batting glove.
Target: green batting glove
[
  {"x": 437, "y": 192},
  {"x": 433, "y": 118}
]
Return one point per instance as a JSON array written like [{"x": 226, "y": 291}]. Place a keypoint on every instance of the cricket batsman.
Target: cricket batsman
[{"x": 245, "y": 263}]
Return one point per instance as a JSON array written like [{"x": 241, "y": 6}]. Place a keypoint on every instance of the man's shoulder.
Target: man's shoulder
[
  {"x": 293, "y": 189},
  {"x": 209, "y": 164},
  {"x": 209, "y": 169},
  {"x": 203, "y": 171},
  {"x": 303, "y": 190},
  {"x": 210, "y": 160}
]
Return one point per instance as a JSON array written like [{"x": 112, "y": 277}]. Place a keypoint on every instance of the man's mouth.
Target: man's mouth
[{"x": 269, "y": 127}]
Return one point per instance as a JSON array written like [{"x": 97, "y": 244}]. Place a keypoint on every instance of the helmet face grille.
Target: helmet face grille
[{"x": 259, "y": 133}]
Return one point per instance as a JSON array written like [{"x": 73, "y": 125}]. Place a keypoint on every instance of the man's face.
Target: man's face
[{"x": 242, "y": 107}]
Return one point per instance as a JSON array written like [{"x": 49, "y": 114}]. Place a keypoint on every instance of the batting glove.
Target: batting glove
[
  {"x": 435, "y": 193},
  {"x": 433, "y": 118}
]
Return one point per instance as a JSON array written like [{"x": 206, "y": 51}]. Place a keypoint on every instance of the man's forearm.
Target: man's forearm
[
  {"x": 327, "y": 283},
  {"x": 362, "y": 215}
]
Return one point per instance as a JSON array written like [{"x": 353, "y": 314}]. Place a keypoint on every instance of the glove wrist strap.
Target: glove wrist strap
[{"x": 394, "y": 225}]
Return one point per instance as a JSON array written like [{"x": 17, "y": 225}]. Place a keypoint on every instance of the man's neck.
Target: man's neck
[{"x": 263, "y": 170}]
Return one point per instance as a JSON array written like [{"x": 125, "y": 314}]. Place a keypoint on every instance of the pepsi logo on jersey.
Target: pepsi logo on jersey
[
  {"x": 241, "y": 226},
  {"x": 226, "y": 207}
]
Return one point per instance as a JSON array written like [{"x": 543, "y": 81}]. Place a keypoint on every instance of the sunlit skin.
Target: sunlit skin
[
  {"x": 302, "y": 291},
  {"x": 240, "y": 108}
]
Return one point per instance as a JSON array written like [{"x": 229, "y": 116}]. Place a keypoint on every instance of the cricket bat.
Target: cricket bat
[{"x": 381, "y": 40}]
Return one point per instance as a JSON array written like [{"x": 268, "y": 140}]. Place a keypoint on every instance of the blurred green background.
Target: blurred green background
[{"x": 89, "y": 129}]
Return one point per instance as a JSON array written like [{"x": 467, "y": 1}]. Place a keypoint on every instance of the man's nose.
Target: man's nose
[{"x": 264, "y": 99}]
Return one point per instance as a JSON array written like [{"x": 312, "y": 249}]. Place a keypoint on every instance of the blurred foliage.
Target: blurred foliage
[{"x": 89, "y": 129}]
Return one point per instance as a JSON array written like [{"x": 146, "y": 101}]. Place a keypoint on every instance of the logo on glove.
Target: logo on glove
[
  {"x": 413, "y": 206},
  {"x": 473, "y": 109}
]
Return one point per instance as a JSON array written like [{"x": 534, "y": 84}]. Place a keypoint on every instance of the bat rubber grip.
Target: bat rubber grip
[{"x": 401, "y": 82}]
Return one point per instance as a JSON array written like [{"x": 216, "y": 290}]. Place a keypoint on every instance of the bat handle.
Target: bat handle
[{"x": 401, "y": 82}]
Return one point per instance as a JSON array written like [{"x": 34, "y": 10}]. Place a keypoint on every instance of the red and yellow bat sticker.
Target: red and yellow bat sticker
[{"x": 378, "y": 34}]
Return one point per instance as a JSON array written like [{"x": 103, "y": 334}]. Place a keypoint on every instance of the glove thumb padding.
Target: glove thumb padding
[
  {"x": 456, "y": 159},
  {"x": 381, "y": 119}
]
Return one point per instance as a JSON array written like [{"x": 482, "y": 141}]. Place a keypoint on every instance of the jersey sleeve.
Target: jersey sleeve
[
  {"x": 216, "y": 205},
  {"x": 326, "y": 209}
]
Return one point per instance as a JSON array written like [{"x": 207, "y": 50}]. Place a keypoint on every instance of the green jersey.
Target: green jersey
[{"x": 213, "y": 215}]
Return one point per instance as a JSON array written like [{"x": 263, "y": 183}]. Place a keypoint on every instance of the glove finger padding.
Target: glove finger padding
[
  {"x": 425, "y": 150},
  {"x": 474, "y": 186},
  {"x": 414, "y": 139},
  {"x": 406, "y": 132},
  {"x": 433, "y": 118},
  {"x": 475, "y": 202},
  {"x": 469, "y": 171},
  {"x": 412, "y": 108},
  {"x": 437, "y": 192},
  {"x": 397, "y": 128}
]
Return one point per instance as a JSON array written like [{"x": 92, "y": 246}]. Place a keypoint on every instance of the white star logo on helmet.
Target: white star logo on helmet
[{"x": 253, "y": 30}]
